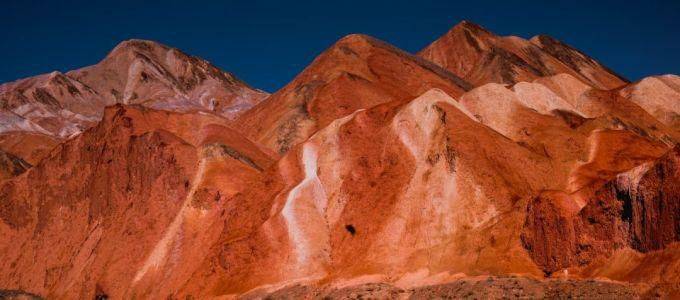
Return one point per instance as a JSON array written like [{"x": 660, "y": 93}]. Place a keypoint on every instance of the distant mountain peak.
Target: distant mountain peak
[
  {"x": 473, "y": 27},
  {"x": 356, "y": 38},
  {"x": 139, "y": 45},
  {"x": 134, "y": 72},
  {"x": 479, "y": 56}
]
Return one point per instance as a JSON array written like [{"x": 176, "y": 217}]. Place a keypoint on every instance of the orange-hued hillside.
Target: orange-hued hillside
[{"x": 481, "y": 167}]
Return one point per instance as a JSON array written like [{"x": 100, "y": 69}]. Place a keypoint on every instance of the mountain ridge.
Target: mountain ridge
[
  {"x": 477, "y": 55},
  {"x": 490, "y": 171}
]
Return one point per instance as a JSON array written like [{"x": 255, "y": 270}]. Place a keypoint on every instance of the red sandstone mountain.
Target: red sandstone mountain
[
  {"x": 356, "y": 72},
  {"x": 479, "y": 56},
  {"x": 395, "y": 179}
]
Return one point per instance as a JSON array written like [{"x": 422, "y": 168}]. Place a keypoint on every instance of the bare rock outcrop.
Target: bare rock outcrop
[{"x": 639, "y": 209}]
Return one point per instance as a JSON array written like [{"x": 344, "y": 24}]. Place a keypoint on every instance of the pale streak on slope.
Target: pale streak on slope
[
  {"x": 295, "y": 228},
  {"x": 309, "y": 234},
  {"x": 133, "y": 73},
  {"x": 574, "y": 183},
  {"x": 160, "y": 251},
  {"x": 540, "y": 98}
]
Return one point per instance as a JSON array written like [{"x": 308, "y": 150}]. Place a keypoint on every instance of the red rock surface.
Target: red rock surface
[{"x": 374, "y": 173}]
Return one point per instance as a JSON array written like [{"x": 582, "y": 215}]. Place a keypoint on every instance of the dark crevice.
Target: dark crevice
[
  {"x": 18, "y": 294},
  {"x": 350, "y": 228},
  {"x": 240, "y": 157},
  {"x": 99, "y": 294},
  {"x": 627, "y": 213}
]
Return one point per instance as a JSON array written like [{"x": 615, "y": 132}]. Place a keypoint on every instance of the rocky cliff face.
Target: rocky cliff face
[
  {"x": 637, "y": 209},
  {"x": 119, "y": 185},
  {"x": 373, "y": 173}
]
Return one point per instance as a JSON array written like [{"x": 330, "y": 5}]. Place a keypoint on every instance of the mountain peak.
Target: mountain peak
[
  {"x": 139, "y": 44},
  {"x": 356, "y": 72},
  {"x": 479, "y": 56},
  {"x": 134, "y": 72},
  {"x": 537, "y": 38},
  {"x": 355, "y": 38},
  {"x": 474, "y": 27}
]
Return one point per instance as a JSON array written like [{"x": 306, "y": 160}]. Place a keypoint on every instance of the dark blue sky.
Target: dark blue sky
[{"x": 266, "y": 43}]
